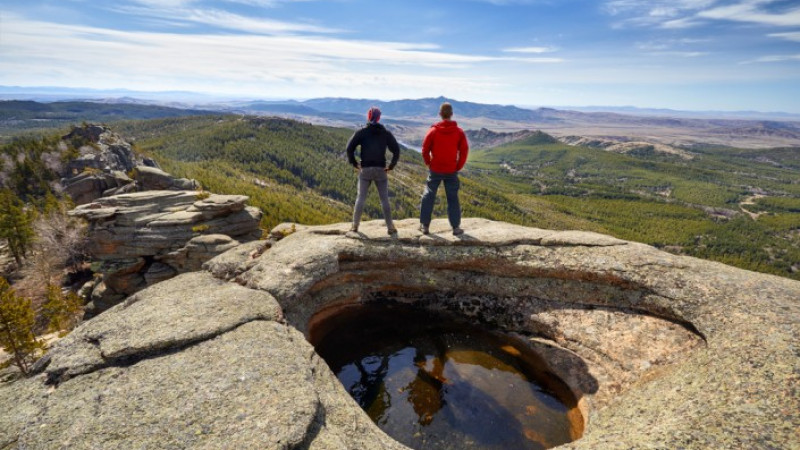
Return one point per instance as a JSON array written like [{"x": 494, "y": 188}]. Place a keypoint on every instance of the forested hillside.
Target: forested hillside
[
  {"x": 741, "y": 207},
  {"x": 18, "y": 115}
]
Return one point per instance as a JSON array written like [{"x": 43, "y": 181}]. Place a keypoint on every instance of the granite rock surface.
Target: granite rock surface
[{"x": 662, "y": 351}]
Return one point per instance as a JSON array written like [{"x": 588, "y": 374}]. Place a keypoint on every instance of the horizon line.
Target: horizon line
[{"x": 64, "y": 90}]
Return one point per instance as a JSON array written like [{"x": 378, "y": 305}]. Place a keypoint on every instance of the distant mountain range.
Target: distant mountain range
[
  {"x": 424, "y": 107},
  {"x": 665, "y": 112},
  {"x": 418, "y": 114},
  {"x": 409, "y": 119}
]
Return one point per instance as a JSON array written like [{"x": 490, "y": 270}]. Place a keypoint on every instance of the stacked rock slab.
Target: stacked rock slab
[
  {"x": 663, "y": 351},
  {"x": 107, "y": 165},
  {"x": 142, "y": 238}
]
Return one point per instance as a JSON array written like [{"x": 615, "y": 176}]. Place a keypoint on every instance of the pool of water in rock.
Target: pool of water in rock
[{"x": 433, "y": 381}]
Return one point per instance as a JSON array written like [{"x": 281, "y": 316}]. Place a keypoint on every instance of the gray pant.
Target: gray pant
[{"x": 381, "y": 179}]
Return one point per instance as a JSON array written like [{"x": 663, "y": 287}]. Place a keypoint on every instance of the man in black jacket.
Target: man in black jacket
[{"x": 373, "y": 139}]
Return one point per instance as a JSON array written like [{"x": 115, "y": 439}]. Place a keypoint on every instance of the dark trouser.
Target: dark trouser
[
  {"x": 451, "y": 185},
  {"x": 367, "y": 176}
]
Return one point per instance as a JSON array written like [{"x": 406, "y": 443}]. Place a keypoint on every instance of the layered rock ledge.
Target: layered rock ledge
[
  {"x": 663, "y": 351},
  {"x": 142, "y": 238}
]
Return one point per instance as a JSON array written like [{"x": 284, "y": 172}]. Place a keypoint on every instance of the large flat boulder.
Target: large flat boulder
[{"x": 253, "y": 384}]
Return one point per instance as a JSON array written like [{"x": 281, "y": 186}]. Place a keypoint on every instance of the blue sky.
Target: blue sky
[{"x": 680, "y": 54}]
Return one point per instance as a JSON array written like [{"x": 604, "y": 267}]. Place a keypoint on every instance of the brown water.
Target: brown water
[{"x": 434, "y": 382}]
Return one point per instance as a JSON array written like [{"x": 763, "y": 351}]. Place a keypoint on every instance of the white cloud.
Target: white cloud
[
  {"x": 752, "y": 11},
  {"x": 265, "y": 3},
  {"x": 535, "y": 60},
  {"x": 678, "y": 14},
  {"x": 529, "y": 50},
  {"x": 512, "y": 2},
  {"x": 187, "y": 3},
  {"x": 672, "y": 47},
  {"x": 678, "y": 24},
  {"x": 792, "y": 36},
  {"x": 167, "y": 4},
  {"x": 773, "y": 59},
  {"x": 223, "y": 19},
  {"x": 303, "y": 65},
  {"x": 681, "y": 54},
  {"x": 178, "y": 12},
  {"x": 654, "y": 11}
]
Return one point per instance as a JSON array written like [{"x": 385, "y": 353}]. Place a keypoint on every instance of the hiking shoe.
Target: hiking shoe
[
  {"x": 354, "y": 229},
  {"x": 423, "y": 229},
  {"x": 457, "y": 231},
  {"x": 392, "y": 231}
]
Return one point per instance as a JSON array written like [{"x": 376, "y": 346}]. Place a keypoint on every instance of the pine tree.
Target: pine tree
[
  {"x": 15, "y": 225},
  {"x": 17, "y": 319},
  {"x": 62, "y": 311}
]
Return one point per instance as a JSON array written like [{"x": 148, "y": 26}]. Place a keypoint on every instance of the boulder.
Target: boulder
[
  {"x": 199, "y": 250},
  {"x": 90, "y": 185},
  {"x": 164, "y": 233},
  {"x": 102, "y": 150},
  {"x": 158, "y": 272},
  {"x": 101, "y": 299},
  {"x": 103, "y": 163},
  {"x": 236, "y": 260},
  {"x": 155, "y": 179},
  {"x": 661, "y": 350}
]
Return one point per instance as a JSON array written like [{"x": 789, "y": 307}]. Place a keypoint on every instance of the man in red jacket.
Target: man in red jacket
[{"x": 445, "y": 150}]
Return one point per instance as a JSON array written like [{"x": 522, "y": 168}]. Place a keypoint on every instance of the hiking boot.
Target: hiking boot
[
  {"x": 354, "y": 229},
  {"x": 424, "y": 229},
  {"x": 457, "y": 231},
  {"x": 392, "y": 231}
]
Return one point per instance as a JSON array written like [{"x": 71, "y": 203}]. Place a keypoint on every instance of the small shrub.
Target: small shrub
[
  {"x": 200, "y": 228},
  {"x": 91, "y": 171}
]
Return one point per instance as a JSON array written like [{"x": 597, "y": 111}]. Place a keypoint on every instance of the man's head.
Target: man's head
[
  {"x": 373, "y": 115},
  {"x": 446, "y": 111}
]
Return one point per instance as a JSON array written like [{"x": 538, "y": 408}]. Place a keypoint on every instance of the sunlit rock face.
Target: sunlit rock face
[{"x": 657, "y": 350}]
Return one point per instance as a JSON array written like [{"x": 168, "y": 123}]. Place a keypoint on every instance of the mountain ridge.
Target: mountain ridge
[{"x": 59, "y": 93}]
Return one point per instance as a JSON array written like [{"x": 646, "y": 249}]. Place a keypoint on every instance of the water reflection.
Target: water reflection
[{"x": 435, "y": 383}]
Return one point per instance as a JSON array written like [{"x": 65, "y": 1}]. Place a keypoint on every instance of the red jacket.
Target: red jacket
[{"x": 445, "y": 147}]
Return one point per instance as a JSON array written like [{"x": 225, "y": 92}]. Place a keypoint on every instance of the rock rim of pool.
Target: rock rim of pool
[{"x": 662, "y": 350}]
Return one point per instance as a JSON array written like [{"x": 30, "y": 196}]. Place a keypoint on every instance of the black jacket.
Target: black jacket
[{"x": 374, "y": 139}]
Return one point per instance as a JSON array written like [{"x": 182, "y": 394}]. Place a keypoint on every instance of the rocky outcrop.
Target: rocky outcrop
[
  {"x": 146, "y": 226},
  {"x": 100, "y": 149},
  {"x": 627, "y": 146},
  {"x": 485, "y": 138},
  {"x": 661, "y": 350},
  {"x": 107, "y": 165},
  {"x": 141, "y": 238}
]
